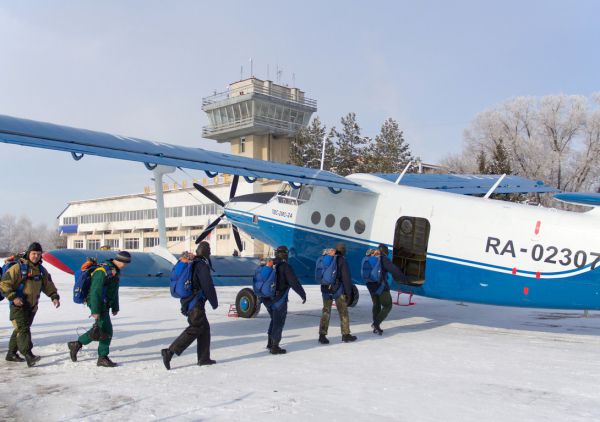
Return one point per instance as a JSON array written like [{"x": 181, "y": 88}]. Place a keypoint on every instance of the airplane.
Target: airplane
[{"x": 451, "y": 244}]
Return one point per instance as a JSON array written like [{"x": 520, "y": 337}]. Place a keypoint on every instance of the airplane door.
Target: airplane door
[{"x": 411, "y": 237}]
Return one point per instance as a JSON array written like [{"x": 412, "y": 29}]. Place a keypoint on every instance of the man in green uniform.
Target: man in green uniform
[
  {"x": 102, "y": 299},
  {"x": 22, "y": 285}
]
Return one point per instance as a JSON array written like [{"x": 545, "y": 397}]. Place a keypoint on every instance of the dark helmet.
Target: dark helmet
[{"x": 281, "y": 252}]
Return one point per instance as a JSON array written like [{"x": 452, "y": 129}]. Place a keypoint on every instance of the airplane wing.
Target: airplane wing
[
  {"x": 81, "y": 141},
  {"x": 470, "y": 184}
]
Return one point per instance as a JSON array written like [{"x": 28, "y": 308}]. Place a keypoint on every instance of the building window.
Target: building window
[
  {"x": 132, "y": 243},
  {"x": 176, "y": 239},
  {"x": 78, "y": 244},
  {"x": 112, "y": 243},
  {"x": 242, "y": 145},
  {"x": 150, "y": 242},
  {"x": 93, "y": 244},
  {"x": 223, "y": 237},
  {"x": 70, "y": 220}
]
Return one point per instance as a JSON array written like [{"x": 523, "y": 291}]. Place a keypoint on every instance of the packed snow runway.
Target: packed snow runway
[{"x": 437, "y": 361}]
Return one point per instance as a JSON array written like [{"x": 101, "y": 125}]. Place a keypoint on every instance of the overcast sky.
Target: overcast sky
[{"x": 141, "y": 68}]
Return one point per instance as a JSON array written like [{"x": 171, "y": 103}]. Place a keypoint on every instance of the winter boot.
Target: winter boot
[
  {"x": 31, "y": 359},
  {"x": 105, "y": 362},
  {"x": 206, "y": 362},
  {"x": 376, "y": 328},
  {"x": 323, "y": 339},
  {"x": 348, "y": 338},
  {"x": 14, "y": 357},
  {"x": 74, "y": 348},
  {"x": 269, "y": 343},
  {"x": 167, "y": 355},
  {"x": 276, "y": 350}
]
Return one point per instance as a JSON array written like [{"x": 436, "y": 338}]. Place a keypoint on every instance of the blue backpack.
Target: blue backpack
[
  {"x": 326, "y": 270},
  {"x": 264, "y": 282},
  {"x": 181, "y": 280},
  {"x": 83, "y": 279},
  {"x": 370, "y": 269}
]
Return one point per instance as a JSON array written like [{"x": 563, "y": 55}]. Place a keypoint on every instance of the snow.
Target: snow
[{"x": 436, "y": 361}]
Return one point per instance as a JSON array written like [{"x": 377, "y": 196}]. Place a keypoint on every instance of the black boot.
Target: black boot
[
  {"x": 14, "y": 357},
  {"x": 105, "y": 362},
  {"x": 376, "y": 328},
  {"x": 276, "y": 350},
  {"x": 74, "y": 348},
  {"x": 269, "y": 343},
  {"x": 348, "y": 338},
  {"x": 323, "y": 339},
  {"x": 206, "y": 362},
  {"x": 167, "y": 355},
  {"x": 31, "y": 359}
]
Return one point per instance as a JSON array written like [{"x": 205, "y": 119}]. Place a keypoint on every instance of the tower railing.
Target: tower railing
[{"x": 283, "y": 93}]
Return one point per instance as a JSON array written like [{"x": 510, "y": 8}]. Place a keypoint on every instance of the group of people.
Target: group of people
[{"x": 23, "y": 283}]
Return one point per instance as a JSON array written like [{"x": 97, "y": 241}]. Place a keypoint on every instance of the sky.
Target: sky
[{"x": 141, "y": 68}]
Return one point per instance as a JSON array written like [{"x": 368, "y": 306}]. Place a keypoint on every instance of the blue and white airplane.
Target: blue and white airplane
[{"x": 451, "y": 245}]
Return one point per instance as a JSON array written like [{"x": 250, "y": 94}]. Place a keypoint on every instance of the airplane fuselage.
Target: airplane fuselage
[{"x": 451, "y": 246}]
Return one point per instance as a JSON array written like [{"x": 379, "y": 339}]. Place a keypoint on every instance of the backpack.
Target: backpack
[
  {"x": 326, "y": 270},
  {"x": 264, "y": 282},
  {"x": 1, "y": 295},
  {"x": 23, "y": 270},
  {"x": 83, "y": 279},
  {"x": 370, "y": 269},
  {"x": 181, "y": 279}
]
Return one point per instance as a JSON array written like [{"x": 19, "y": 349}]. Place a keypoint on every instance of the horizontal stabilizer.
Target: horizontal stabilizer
[
  {"x": 470, "y": 184},
  {"x": 587, "y": 199}
]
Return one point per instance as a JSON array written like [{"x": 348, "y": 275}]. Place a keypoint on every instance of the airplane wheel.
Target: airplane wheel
[
  {"x": 246, "y": 303},
  {"x": 354, "y": 296}
]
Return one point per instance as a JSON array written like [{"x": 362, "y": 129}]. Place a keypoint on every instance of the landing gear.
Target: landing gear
[{"x": 247, "y": 304}]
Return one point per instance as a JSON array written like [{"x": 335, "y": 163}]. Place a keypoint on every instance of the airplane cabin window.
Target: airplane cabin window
[
  {"x": 345, "y": 223},
  {"x": 359, "y": 226},
  {"x": 330, "y": 220},
  {"x": 315, "y": 217}
]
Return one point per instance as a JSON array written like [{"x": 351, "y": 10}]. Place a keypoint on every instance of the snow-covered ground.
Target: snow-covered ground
[{"x": 437, "y": 361}]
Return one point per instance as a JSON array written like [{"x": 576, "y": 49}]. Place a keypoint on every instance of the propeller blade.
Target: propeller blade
[
  {"x": 209, "y": 194},
  {"x": 207, "y": 230},
  {"x": 234, "y": 184},
  {"x": 238, "y": 239}
]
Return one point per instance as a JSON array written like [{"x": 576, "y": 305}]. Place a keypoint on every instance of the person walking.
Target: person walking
[
  {"x": 338, "y": 289},
  {"x": 102, "y": 299},
  {"x": 194, "y": 308},
  {"x": 21, "y": 285}
]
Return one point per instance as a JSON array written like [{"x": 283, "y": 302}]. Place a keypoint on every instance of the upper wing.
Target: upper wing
[
  {"x": 81, "y": 141},
  {"x": 470, "y": 184}
]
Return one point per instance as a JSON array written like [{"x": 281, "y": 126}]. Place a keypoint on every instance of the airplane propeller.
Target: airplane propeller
[{"x": 216, "y": 200}]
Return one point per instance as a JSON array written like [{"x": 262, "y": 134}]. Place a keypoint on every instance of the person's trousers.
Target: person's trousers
[
  {"x": 278, "y": 315},
  {"x": 199, "y": 330},
  {"x": 342, "y": 307},
  {"x": 21, "y": 318},
  {"x": 382, "y": 305},
  {"x": 105, "y": 325}
]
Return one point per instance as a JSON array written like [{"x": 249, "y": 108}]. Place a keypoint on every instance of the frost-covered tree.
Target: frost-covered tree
[
  {"x": 553, "y": 138},
  {"x": 349, "y": 156},
  {"x": 16, "y": 234},
  {"x": 390, "y": 153}
]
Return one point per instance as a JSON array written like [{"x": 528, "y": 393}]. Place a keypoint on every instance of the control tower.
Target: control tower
[{"x": 258, "y": 118}]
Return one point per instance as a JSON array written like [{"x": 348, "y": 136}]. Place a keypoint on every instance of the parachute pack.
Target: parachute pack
[
  {"x": 326, "y": 270},
  {"x": 83, "y": 279},
  {"x": 181, "y": 279},
  {"x": 24, "y": 271},
  {"x": 264, "y": 282},
  {"x": 370, "y": 271}
]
